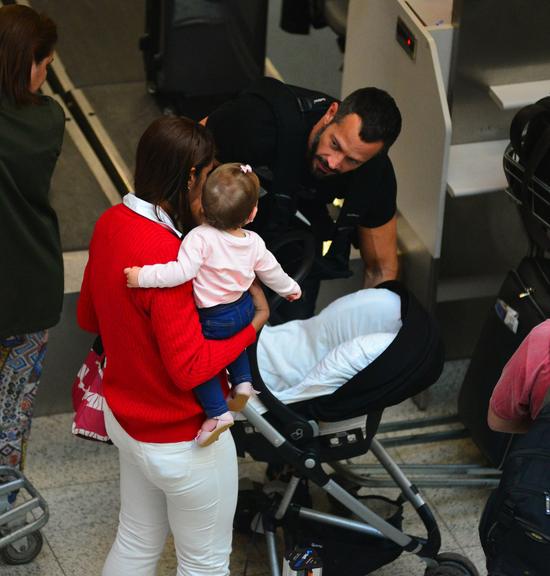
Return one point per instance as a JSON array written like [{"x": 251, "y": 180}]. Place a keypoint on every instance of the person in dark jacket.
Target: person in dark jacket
[
  {"x": 31, "y": 291},
  {"x": 309, "y": 150}
]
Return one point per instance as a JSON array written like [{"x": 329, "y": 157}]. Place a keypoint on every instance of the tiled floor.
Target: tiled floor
[{"x": 79, "y": 480}]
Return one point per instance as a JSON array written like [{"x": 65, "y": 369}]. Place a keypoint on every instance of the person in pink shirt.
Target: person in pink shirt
[
  {"x": 523, "y": 388},
  {"x": 223, "y": 260}
]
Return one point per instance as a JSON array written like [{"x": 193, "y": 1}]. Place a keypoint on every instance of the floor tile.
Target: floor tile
[
  {"x": 81, "y": 505},
  {"x": 476, "y": 555},
  {"x": 441, "y": 398},
  {"x": 57, "y": 458},
  {"x": 82, "y": 552},
  {"x": 458, "y": 451},
  {"x": 254, "y": 471},
  {"x": 405, "y": 565},
  {"x": 460, "y": 510},
  {"x": 449, "y": 541},
  {"x": 82, "y": 525}
]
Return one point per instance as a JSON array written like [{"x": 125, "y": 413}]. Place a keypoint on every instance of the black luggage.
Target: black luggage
[
  {"x": 524, "y": 298},
  {"x": 515, "y": 526},
  {"x": 527, "y": 168},
  {"x": 521, "y": 304},
  {"x": 200, "y": 53}
]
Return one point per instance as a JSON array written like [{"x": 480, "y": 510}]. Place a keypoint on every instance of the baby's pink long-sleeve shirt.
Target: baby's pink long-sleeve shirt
[{"x": 221, "y": 265}]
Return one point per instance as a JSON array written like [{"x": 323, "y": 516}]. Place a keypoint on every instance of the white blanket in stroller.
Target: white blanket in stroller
[{"x": 303, "y": 359}]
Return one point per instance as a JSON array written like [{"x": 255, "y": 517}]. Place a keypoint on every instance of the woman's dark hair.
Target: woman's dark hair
[
  {"x": 25, "y": 37},
  {"x": 167, "y": 152}
]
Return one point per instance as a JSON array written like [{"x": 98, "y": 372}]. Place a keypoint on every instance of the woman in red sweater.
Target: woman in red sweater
[{"x": 156, "y": 355}]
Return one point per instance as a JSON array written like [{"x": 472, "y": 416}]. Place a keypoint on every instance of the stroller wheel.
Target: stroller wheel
[
  {"x": 23, "y": 550},
  {"x": 451, "y": 564}
]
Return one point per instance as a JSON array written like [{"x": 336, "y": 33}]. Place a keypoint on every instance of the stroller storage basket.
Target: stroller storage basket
[{"x": 345, "y": 551}]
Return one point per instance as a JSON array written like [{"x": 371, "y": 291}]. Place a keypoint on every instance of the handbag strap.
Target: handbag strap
[{"x": 97, "y": 346}]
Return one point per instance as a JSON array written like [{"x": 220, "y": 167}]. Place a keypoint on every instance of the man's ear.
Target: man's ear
[{"x": 329, "y": 114}]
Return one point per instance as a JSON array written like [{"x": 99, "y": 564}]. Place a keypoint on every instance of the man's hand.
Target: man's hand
[
  {"x": 378, "y": 247},
  {"x": 132, "y": 276},
  {"x": 261, "y": 306}
]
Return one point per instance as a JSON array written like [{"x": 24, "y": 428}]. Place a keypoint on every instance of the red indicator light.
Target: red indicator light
[{"x": 405, "y": 38}]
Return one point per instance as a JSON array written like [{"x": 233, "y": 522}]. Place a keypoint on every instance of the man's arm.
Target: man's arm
[
  {"x": 498, "y": 424},
  {"x": 378, "y": 247},
  {"x": 521, "y": 388}
]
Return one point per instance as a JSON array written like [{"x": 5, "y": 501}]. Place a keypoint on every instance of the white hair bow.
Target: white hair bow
[{"x": 246, "y": 168}]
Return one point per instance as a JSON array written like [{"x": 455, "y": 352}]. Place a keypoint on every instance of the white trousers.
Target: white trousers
[{"x": 182, "y": 487}]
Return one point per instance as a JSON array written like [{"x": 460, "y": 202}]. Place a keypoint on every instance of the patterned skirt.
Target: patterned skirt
[{"x": 21, "y": 360}]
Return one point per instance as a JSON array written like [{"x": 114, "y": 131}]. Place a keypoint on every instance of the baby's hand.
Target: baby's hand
[
  {"x": 132, "y": 275},
  {"x": 295, "y": 296}
]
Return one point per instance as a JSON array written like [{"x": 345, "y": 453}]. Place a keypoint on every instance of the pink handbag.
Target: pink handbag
[{"x": 89, "y": 421}]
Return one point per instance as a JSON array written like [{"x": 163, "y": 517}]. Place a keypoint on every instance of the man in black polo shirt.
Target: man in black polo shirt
[{"x": 309, "y": 149}]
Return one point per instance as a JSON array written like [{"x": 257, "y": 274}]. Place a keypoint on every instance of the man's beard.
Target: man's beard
[{"x": 312, "y": 155}]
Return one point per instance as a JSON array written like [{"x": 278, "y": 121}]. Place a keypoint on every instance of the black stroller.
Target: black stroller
[{"x": 305, "y": 435}]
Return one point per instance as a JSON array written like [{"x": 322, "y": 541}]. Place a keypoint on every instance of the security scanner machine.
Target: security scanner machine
[{"x": 458, "y": 71}]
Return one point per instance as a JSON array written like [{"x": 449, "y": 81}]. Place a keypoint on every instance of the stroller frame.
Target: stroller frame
[
  {"x": 371, "y": 475},
  {"x": 306, "y": 464},
  {"x": 308, "y": 434},
  {"x": 373, "y": 525}
]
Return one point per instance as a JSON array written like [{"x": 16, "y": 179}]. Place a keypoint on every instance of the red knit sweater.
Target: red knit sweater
[{"x": 155, "y": 349}]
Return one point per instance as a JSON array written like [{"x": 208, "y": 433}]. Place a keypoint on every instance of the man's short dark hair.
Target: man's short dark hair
[{"x": 380, "y": 116}]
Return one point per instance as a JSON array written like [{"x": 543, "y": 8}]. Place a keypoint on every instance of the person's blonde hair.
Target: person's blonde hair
[{"x": 230, "y": 194}]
